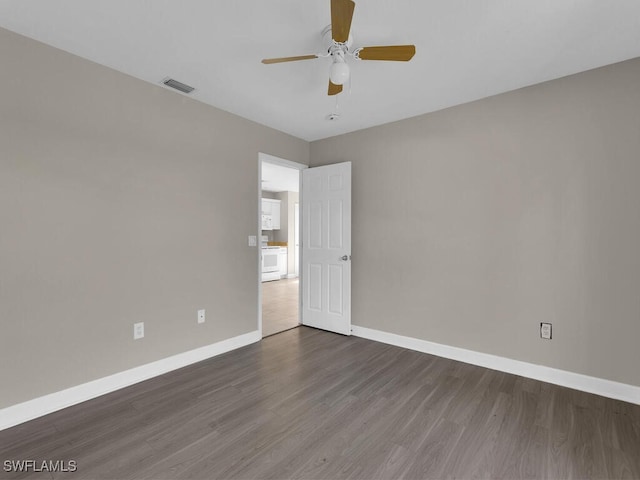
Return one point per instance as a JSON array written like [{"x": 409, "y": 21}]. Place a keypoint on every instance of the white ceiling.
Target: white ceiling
[{"x": 466, "y": 50}]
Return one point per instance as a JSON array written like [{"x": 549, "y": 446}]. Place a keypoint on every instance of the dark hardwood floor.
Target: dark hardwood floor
[{"x": 310, "y": 404}]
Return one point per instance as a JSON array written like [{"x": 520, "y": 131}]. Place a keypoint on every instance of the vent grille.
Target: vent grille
[{"x": 170, "y": 82}]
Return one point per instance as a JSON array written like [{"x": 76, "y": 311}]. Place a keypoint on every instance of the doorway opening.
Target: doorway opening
[{"x": 279, "y": 194}]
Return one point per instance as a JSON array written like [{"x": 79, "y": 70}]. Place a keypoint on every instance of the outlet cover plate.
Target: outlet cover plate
[
  {"x": 545, "y": 331},
  {"x": 138, "y": 330}
]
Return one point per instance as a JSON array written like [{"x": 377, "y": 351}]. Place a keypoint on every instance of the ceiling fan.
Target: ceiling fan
[{"x": 339, "y": 42}]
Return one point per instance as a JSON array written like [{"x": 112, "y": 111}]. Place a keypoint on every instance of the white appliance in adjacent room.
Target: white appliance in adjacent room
[
  {"x": 282, "y": 262},
  {"x": 270, "y": 266}
]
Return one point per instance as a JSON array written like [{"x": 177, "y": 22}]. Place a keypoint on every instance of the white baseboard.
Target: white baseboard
[
  {"x": 577, "y": 381},
  {"x": 23, "y": 412}
]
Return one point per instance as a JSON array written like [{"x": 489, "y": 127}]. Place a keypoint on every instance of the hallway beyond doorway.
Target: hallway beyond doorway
[{"x": 279, "y": 306}]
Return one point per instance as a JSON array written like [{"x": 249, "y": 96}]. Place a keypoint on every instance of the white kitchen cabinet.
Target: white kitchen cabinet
[
  {"x": 271, "y": 207},
  {"x": 283, "y": 261},
  {"x": 275, "y": 216},
  {"x": 266, "y": 206}
]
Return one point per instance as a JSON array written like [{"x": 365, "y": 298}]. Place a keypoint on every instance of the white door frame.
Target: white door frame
[
  {"x": 296, "y": 236},
  {"x": 265, "y": 157}
]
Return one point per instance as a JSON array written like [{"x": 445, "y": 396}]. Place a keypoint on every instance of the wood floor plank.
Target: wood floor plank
[
  {"x": 310, "y": 404},
  {"x": 434, "y": 453}
]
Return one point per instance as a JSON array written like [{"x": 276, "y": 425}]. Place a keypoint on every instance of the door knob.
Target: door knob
[{"x": 344, "y": 258}]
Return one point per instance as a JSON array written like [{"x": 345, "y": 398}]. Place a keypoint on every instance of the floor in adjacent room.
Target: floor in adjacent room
[
  {"x": 311, "y": 404},
  {"x": 279, "y": 305}
]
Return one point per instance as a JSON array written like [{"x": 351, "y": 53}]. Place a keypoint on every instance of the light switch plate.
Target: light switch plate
[
  {"x": 253, "y": 241},
  {"x": 201, "y": 316}
]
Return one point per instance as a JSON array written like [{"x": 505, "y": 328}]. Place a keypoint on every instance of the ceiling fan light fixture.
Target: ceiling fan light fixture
[
  {"x": 337, "y": 42},
  {"x": 339, "y": 73}
]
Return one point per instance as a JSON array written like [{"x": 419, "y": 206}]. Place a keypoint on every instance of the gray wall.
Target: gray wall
[
  {"x": 474, "y": 224},
  {"x": 120, "y": 202}
]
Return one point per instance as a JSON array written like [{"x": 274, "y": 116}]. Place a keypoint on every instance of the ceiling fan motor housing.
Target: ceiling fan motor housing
[
  {"x": 339, "y": 72},
  {"x": 331, "y": 45}
]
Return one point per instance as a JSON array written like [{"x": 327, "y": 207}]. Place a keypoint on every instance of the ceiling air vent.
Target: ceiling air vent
[{"x": 170, "y": 82}]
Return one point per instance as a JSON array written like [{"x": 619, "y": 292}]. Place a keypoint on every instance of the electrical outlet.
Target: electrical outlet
[
  {"x": 545, "y": 331},
  {"x": 138, "y": 330},
  {"x": 201, "y": 316},
  {"x": 253, "y": 241}
]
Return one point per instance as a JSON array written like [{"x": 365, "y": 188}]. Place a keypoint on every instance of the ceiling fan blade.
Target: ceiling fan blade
[
  {"x": 341, "y": 15},
  {"x": 334, "y": 89},
  {"x": 398, "y": 53},
  {"x": 287, "y": 59}
]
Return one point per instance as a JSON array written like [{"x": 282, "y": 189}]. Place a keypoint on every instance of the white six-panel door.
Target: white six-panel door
[{"x": 326, "y": 247}]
